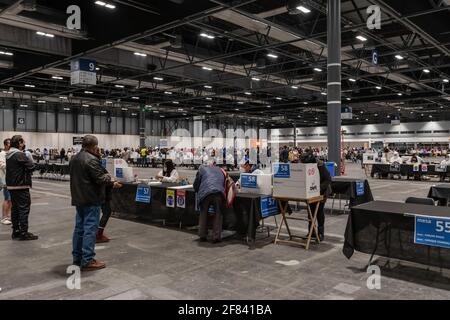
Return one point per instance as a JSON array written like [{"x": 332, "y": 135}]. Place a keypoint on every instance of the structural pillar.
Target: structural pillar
[
  {"x": 334, "y": 82},
  {"x": 295, "y": 135},
  {"x": 142, "y": 127}
]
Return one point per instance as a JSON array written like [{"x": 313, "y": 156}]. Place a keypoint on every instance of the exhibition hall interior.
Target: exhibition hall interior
[{"x": 225, "y": 150}]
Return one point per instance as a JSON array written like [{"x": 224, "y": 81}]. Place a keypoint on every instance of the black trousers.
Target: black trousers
[
  {"x": 106, "y": 214},
  {"x": 320, "y": 216},
  {"x": 217, "y": 201},
  {"x": 20, "y": 209}
]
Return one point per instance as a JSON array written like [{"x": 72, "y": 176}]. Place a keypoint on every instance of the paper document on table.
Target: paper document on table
[{"x": 188, "y": 186}]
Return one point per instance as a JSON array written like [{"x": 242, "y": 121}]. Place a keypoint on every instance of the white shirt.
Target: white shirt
[
  {"x": 396, "y": 159},
  {"x": 173, "y": 176},
  {"x": 2, "y": 165}
]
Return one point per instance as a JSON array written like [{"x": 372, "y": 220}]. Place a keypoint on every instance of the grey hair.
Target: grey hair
[{"x": 89, "y": 141}]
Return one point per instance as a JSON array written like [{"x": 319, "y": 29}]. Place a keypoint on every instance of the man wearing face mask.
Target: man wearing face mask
[{"x": 18, "y": 180}]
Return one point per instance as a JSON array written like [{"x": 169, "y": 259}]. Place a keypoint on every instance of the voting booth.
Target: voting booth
[
  {"x": 256, "y": 183},
  {"x": 119, "y": 169},
  {"x": 300, "y": 180},
  {"x": 371, "y": 158}
]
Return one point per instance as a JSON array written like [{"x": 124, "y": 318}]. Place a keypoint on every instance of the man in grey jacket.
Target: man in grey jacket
[{"x": 210, "y": 187}]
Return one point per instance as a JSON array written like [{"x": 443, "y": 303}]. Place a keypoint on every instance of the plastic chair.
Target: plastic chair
[{"x": 426, "y": 201}]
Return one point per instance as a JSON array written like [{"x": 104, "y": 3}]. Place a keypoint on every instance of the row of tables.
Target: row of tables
[{"x": 383, "y": 169}]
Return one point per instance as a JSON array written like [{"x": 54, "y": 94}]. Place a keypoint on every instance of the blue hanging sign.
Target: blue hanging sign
[{"x": 432, "y": 231}]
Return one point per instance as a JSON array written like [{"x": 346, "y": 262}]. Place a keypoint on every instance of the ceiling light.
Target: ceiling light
[
  {"x": 205, "y": 35},
  {"x": 124, "y": 109},
  {"x": 135, "y": 98},
  {"x": 352, "y": 80},
  {"x": 119, "y": 86},
  {"x": 361, "y": 38},
  {"x": 430, "y": 116},
  {"x": 140, "y": 54},
  {"x": 376, "y": 114},
  {"x": 57, "y": 78},
  {"x": 426, "y": 70},
  {"x": 134, "y": 114},
  {"x": 43, "y": 34},
  {"x": 110, "y": 6},
  {"x": 240, "y": 102},
  {"x": 208, "y": 98},
  {"x": 103, "y": 111},
  {"x": 41, "y": 101},
  {"x": 399, "y": 94},
  {"x": 88, "y": 92},
  {"x": 97, "y": 69},
  {"x": 445, "y": 80},
  {"x": 108, "y": 102},
  {"x": 248, "y": 93},
  {"x": 294, "y": 87},
  {"x": 100, "y": 3},
  {"x": 180, "y": 109},
  {"x": 361, "y": 111},
  {"x": 64, "y": 98},
  {"x": 305, "y": 103},
  {"x": 30, "y": 85},
  {"x": 207, "y": 87},
  {"x": 104, "y": 4},
  {"x": 207, "y": 68},
  {"x": 303, "y": 9},
  {"x": 86, "y": 105},
  {"x": 348, "y": 99},
  {"x": 399, "y": 57},
  {"x": 318, "y": 69},
  {"x": 378, "y": 87},
  {"x": 269, "y": 106},
  {"x": 279, "y": 98},
  {"x": 256, "y": 79},
  {"x": 167, "y": 92},
  {"x": 236, "y": 109},
  {"x": 66, "y": 109},
  {"x": 24, "y": 105},
  {"x": 158, "y": 78},
  {"x": 175, "y": 102},
  {"x": 271, "y": 55},
  {"x": 5, "y": 53},
  {"x": 208, "y": 111},
  {"x": 162, "y": 116},
  {"x": 208, "y": 106},
  {"x": 323, "y": 93}
]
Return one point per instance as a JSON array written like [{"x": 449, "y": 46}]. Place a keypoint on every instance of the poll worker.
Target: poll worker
[
  {"x": 395, "y": 158},
  {"x": 209, "y": 185},
  {"x": 446, "y": 161},
  {"x": 169, "y": 173},
  {"x": 325, "y": 189}
]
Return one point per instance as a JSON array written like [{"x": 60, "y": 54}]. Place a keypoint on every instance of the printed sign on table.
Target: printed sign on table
[
  {"x": 181, "y": 198},
  {"x": 416, "y": 167},
  {"x": 143, "y": 194},
  {"x": 119, "y": 173},
  {"x": 281, "y": 170},
  {"x": 359, "y": 188},
  {"x": 395, "y": 167},
  {"x": 170, "y": 198},
  {"x": 424, "y": 167},
  {"x": 432, "y": 231},
  {"x": 269, "y": 207},
  {"x": 249, "y": 181}
]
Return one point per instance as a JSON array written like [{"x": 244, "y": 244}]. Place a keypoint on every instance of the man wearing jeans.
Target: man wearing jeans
[{"x": 87, "y": 187}]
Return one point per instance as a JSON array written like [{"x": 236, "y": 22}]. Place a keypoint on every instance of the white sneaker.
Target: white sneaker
[{"x": 6, "y": 221}]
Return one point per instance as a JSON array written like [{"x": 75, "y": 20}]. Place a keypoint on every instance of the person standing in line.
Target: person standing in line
[
  {"x": 209, "y": 185},
  {"x": 62, "y": 155},
  {"x": 6, "y": 208},
  {"x": 18, "y": 181},
  {"x": 46, "y": 156},
  {"x": 88, "y": 182}
]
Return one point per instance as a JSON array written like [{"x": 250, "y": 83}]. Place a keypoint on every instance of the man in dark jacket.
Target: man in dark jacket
[
  {"x": 18, "y": 181},
  {"x": 209, "y": 185},
  {"x": 87, "y": 187},
  {"x": 325, "y": 189}
]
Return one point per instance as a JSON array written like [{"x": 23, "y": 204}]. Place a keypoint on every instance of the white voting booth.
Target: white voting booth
[
  {"x": 256, "y": 183},
  {"x": 296, "y": 180},
  {"x": 119, "y": 169}
]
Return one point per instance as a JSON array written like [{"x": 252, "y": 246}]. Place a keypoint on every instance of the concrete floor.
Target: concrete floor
[{"x": 151, "y": 262}]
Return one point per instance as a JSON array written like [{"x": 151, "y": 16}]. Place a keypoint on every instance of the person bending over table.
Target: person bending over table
[
  {"x": 325, "y": 190},
  {"x": 209, "y": 185},
  {"x": 169, "y": 173}
]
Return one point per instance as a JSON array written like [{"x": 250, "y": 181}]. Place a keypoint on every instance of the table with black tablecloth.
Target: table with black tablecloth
[
  {"x": 348, "y": 188},
  {"x": 407, "y": 170},
  {"x": 387, "y": 229},
  {"x": 243, "y": 217},
  {"x": 55, "y": 168},
  {"x": 441, "y": 193}
]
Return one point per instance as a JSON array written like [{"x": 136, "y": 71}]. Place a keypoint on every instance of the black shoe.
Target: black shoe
[
  {"x": 202, "y": 239},
  {"x": 27, "y": 236},
  {"x": 15, "y": 235}
]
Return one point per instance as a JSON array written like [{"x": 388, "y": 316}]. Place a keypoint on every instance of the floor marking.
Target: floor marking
[
  {"x": 346, "y": 288},
  {"x": 288, "y": 263}
]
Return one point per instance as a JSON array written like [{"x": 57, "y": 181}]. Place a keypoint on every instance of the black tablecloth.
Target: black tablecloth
[
  {"x": 405, "y": 170},
  {"x": 441, "y": 193},
  {"x": 56, "y": 168},
  {"x": 347, "y": 187},
  {"x": 244, "y": 217},
  {"x": 387, "y": 229}
]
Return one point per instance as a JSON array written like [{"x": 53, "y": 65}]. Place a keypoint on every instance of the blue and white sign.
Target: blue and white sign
[
  {"x": 104, "y": 163},
  {"x": 432, "y": 231},
  {"x": 281, "y": 170},
  {"x": 143, "y": 194},
  {"x": 346, "y": 113},
  {"x": 83, "y": 71},
  {"x": 269, "y": 207},
  {"x": 119, "y": 173},
  {"x": 375, "y": 57},
  {"x": 249, "y": 181},
  {"x": 359, "y": 188}
]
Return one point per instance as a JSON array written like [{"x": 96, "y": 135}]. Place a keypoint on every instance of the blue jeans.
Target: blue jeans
[{"x": 84, "y": 235}]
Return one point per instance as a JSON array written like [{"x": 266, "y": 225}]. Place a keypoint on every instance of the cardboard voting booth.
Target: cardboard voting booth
[
  {"x": 119, "y": 169},
  {"x": 370, "y": 158},
  {"x": 296, "y": 180},
  {"x": 256, "y": 183}
]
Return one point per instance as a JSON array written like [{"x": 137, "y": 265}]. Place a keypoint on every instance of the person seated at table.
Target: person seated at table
[
  {"x": 396, "y": 158},
  {"x": 169, "y": 173},
  {"x": 415, "y": 159},
  {"x": 325, "y": 190},
  {"x": 248, "y": 168}
]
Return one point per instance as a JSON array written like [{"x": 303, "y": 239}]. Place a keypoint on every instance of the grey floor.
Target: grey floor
[{"x": 151, "y": 262}]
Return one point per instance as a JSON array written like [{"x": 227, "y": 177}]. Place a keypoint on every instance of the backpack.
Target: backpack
[{"x": 230, "y": 189}]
